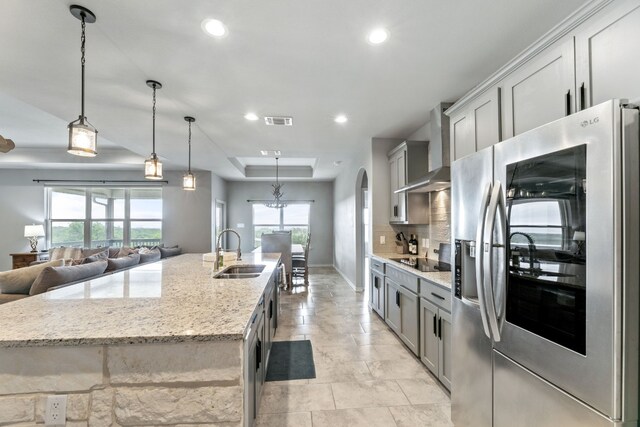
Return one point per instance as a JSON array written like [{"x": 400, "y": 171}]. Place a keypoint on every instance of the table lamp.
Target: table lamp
[
  {"x": 579, "y": 237},
  {"x": 32, "y": 232}
]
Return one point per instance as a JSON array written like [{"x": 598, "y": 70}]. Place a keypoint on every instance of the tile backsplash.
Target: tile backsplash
[{"x": 437, "y": 231}]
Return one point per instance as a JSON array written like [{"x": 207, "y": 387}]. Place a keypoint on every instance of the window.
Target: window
[
  {"x": 104, "y": 216},
  {"x": 293, "y": 217}
]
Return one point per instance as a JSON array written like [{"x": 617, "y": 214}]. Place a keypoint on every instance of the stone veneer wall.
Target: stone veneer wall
[{"x": 125, "y": 385}]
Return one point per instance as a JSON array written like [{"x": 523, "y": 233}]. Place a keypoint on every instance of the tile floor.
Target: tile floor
[{"x": 364, "y": 374}]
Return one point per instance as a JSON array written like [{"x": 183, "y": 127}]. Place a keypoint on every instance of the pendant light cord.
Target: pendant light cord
[
  {"x": 154, "y": 121},
  {"x": 189, "y": 147},
  {"x": 82, "y": 61}
]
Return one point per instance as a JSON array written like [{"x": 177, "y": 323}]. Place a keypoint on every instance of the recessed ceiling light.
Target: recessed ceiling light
[
  {"x": 251, "y": 116},
  {"x": 270, "y": 153},
  {"x": 214, "y": 28},
  {"x": 379, "y": 35},
  {"x": 341, "y": 119}
]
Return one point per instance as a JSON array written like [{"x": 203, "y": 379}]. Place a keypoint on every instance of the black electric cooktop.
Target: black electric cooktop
[{"x": 423, "y": 264}]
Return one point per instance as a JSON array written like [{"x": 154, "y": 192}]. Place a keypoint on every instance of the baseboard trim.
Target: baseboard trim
[{"x": 349, "y": 282}]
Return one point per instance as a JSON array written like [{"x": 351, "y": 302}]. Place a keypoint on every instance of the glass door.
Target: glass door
[{"x": 546, "y": 228}]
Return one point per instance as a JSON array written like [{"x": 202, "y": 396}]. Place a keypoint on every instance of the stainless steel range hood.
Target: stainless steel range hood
[{"x": 439, "y": 175}]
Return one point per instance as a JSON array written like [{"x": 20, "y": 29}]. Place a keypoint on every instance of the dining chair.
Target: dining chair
[{"x": 300, "y": 264}]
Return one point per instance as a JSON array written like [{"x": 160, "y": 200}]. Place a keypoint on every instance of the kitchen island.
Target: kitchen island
[{"x": 162, "y": 343}]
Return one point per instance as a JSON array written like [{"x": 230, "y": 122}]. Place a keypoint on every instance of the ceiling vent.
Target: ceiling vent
[{"x": 278, "y": 121}]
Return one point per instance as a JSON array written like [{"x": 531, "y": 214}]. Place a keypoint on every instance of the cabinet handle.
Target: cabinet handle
[
  {"x": 437, "y": 296},
  {"x": 271, "y": 309},
  {"x": 435, "y": 321},
  {"x": 253, "y": 320},
  {"x": 258, "y": 354},
  {"x": 395, "y": 210},
  {"x": 440, "y": 328},
  {"x": 398, "y": 298},
  {"x": 583, "y": 97},
  {"x": 567, "y": 100}
]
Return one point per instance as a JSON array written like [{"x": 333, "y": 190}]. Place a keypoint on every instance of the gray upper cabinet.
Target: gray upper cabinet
[
  {"x": 541, "y": 91},
  {"x": 589, "y": 58},
  {"x": 407, "y": 162},
  {"x": 607, "y": 59},
  {"x": 478, "y": 125}
]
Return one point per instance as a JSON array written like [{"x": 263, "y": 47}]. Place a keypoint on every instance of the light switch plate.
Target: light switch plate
[
  {"x": 240, "y": 225},
  {"x": 383, "y": 240},
  {"x": 425, "y": 243}
]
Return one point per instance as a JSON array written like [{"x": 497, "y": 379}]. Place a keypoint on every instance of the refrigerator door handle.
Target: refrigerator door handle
[
  {"x": 502, "y": 264},
  {"x": 480, "y": 256},
  {"x": 487, "y": 259}
]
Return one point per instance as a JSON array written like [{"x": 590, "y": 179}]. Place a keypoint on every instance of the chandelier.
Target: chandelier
[{"x": 277, "y": 193}]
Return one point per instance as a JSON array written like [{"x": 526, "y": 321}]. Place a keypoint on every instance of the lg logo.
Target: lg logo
[{"x": 593, "y": 121}]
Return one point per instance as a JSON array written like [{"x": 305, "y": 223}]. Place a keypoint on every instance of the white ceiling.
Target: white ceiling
[{"x": 307, "y": 59}]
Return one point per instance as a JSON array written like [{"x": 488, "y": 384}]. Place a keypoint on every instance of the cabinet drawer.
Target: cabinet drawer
[
  {"x": 407, "y": 280},
  {"x": 437, "y": 295},
  {"x": 377, "y": 265}
]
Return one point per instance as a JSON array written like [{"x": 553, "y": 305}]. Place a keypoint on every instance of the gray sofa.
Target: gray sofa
[{"x": 69, "y": 266}]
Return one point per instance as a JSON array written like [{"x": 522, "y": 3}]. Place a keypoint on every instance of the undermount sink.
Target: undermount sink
[
  {"x": 240, "y": 269},
  {"x": 240, "y": 272},
  {"x": 236, "y": 275}
]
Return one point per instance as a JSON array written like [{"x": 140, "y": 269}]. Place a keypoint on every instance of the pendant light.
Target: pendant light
[
  {"x": 83, "y": 137},
  {"x": 153, "y": 166},
  {"x": 277, "y": 194},
  {"x": 189, "y": 180}
]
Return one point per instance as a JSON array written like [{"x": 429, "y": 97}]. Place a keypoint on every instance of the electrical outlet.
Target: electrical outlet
[
  {"x": 383, "y": 240},
  {"x": 56, "y": 412},
  {"x": 425, "y": 243}
]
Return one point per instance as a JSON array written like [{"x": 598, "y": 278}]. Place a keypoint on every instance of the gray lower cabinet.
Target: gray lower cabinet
[
  {"x": 376, "y": 286},
  {"x": 401, "y": 313},
  {"x": 392, "y": 314},
  {"x": 257, "y": 349},
  {"x": 435, "y": 340},
  {"x": 409, "y": 319}
]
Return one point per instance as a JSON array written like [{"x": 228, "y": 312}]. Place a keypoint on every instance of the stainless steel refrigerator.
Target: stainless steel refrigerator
[{"x": 546, "y": 285}]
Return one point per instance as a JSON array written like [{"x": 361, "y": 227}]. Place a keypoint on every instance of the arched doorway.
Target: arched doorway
[{"x": 362, "y": 233}]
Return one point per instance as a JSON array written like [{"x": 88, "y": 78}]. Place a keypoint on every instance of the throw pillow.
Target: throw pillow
[
  {"x": 113, "y": 252},
  {"x": 65, "y": 253},
  {"x": 124, "y": 262},
  {"x": 96, "y": 257},
  {"x": 92, "y": 251},
  {"x": 167, "y": 252},
  {"x": 124, "y": 251},
  {"x": 150, "y": 256},
  {"x": 56, "y": 276},
  {"x": 19, "y": 281}
]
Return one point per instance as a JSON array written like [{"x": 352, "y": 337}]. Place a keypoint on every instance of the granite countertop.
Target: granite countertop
[
  {"x": 172, "y": 300},
  {"x": 441, "y": 278}
]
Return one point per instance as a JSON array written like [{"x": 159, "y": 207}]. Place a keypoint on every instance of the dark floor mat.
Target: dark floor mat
[{"x": 291, "y": 360}]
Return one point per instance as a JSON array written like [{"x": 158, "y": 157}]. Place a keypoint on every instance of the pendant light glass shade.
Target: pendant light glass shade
[
  {"x": 153, "y": 165},
  {"x": 83, "y": 137},
  {"x": 189, "y": 180},
  {"x": 153, "y": 168}
]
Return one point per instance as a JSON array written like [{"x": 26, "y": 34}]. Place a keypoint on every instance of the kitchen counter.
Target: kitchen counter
[
  {"x": 442, "y": 279},
  {"x": 173, "y": 300},
  {"x": 162, "y": 343}
]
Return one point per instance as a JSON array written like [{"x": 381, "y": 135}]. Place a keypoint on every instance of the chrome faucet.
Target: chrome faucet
[
  {"x": 532, "y": 247},
  {"x": 218, "y": 248}
]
